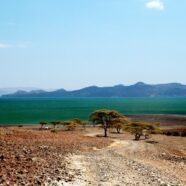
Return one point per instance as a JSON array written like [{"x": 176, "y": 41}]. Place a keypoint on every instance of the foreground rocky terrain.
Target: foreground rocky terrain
[
  {"x": 111, "y": 167},
  {"x": 126, "y": 162},
  {"x": 33, "y": 157},
  {"x": 29, "y": 156}
]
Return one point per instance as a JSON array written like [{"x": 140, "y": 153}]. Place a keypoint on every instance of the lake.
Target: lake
[{"x": 33, "y": 110}]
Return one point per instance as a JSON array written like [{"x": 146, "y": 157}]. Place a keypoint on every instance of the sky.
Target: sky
[{"x": 77, "y": 43}]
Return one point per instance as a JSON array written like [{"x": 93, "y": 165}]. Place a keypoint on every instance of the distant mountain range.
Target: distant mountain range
[
  {"x": 139, "y": 89},
  {"x": 12, "y": 90}
]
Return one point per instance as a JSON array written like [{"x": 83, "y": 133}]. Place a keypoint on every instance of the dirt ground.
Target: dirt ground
[
  {"x": 161, "y": 160},
  {"x": 29, "y": 156}
]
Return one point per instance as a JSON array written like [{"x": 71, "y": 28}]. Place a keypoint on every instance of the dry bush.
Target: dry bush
[
  {"x": 141, "y": 128},
  {"x": 73, "y": 124}
]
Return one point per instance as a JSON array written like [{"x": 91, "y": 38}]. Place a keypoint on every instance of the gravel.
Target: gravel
[{"x": 110, "y": 167}]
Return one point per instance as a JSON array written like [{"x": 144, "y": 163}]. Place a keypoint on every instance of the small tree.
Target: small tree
[
  {"x": 105, "y": 118},
  {"x": 79, "y": 122},
  {"x": 119, "y": 123},
  {"x": 70, "y": 125},
  {"x": 54, "y": 123},
  {"x": 43, "y": 123},
  {"x": 139, "y": 128}
]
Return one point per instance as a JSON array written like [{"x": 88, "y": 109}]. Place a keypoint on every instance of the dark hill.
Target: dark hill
[{"x": 139, "y": 89}]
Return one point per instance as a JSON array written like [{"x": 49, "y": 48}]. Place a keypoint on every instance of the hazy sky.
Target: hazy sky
[{"x": 77, "y": 43}]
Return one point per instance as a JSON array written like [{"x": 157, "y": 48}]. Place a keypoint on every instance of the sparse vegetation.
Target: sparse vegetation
[
  {"x": 119, "y": 123},
  {"x": 79, "y": 122},
  {"x": 43, "y": 123},
  {"x": 47, "y": 155},
  {"x": 70, "y": 125},
  {"x": 141, "y": 128},
  {"x": 54, "y": 123},
  {"x": 73, "y": 124}
]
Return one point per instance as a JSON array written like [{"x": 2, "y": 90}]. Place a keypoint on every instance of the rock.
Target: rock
[
  {"x": 163, "y": 183},
  {"x": 38, "y": 182},
  {"x": 2, "y": 180},
  {"x": 58, "y": 178},
  {"x": 2, "y": 157},
  {"x": 57, "y": 171},
  {"x": 68, "y": 179}
]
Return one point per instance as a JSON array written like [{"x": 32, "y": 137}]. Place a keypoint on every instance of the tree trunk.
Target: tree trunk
[
  {"x": 105, "y": 129},
  {"x": 137, "y": 136},
  {"x": 146, "y": 136},
  {"x": 118, "y": 130}
]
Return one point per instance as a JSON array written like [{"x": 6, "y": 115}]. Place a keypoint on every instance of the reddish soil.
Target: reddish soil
[
  {"x": 34, "y": 157},
  {"x": 29, "y": 156}
]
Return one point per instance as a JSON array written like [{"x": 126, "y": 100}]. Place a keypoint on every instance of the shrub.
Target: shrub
[
  {"x": 70, "y": 125},
  {"x": 79, "y": 122},
  {"x": 140, "y": 128}
]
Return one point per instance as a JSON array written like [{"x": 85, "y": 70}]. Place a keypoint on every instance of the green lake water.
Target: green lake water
[{"x": 33, "y": 110}]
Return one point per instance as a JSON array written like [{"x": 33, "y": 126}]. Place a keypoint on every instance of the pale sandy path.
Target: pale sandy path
[{"x": 115, "y": 166}]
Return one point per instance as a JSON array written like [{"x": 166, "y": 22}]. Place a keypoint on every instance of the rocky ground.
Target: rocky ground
[
  {"x": 109, "y": 167},
  {"x": 127, "y": 162},
  {"x": 32, "y": 157}
]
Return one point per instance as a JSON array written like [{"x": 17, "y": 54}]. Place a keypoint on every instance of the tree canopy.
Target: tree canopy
[
  {"x": 119, "y": 123},
  {"x": 106, "y": 118}
]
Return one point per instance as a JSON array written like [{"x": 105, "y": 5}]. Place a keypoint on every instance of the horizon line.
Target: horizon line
[{"x": 32, "y": 88}]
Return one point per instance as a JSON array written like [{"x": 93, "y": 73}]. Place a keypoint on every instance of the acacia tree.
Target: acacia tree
[
  {"x": 119, "y": 123},
  {"x": 54, "y": 123},
  {"x": 105, "y": 118},
  {"x": 42, "y": 123},
  {"x": 141, "y": 128}
]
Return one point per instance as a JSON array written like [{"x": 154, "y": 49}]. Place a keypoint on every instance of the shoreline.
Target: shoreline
[{"x": 163, "y": 119}]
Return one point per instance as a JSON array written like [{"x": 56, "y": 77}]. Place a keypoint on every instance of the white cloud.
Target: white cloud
[
  {"x": 2, "y": 45},
  {"x": 155, "y": 4}
]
